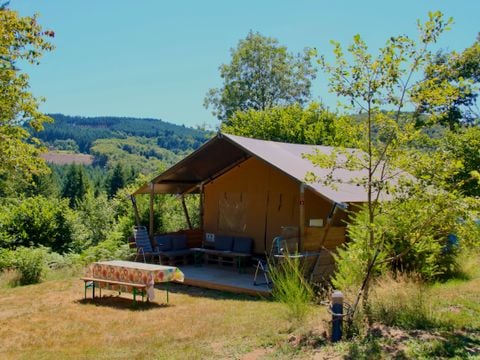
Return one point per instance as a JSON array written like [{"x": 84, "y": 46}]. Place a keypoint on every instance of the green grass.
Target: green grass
[{"x": 51, "y": 320}]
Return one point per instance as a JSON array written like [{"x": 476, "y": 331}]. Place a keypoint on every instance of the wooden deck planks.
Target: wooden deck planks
[{"x": 212, "y": 277}]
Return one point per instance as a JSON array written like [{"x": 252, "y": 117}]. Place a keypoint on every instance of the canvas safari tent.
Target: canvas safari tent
[{"x": 254, "y": 188}]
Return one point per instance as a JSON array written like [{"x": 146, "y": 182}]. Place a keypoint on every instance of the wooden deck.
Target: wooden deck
[{"x": 224, "y": 279}]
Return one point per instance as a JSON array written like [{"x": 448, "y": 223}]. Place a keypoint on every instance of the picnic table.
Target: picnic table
[{"x": 129, "y": 276}]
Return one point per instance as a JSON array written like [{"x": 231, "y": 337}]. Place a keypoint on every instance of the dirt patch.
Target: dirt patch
[
  {"x": 256, "y": 354},
  {"x": 66, "y": 158}
]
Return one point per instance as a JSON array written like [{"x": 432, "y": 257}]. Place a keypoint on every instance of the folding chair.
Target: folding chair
[
  {"x": 279, "y": 245},
  {"x": 143, "y": 244}
]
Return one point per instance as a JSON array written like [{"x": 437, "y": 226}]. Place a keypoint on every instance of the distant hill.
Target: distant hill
[{"x": 85, "y": 130}]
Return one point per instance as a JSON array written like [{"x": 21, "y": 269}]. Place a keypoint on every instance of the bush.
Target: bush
[
  {"x": 412, "y": 233},
  {"x": 291, "y": 288},
  {"x": 112, "y": 248},
  {"x": 7, "y": 259},
  {"x": 30, "y": 263},
  {"x": 38, "y": 221},
  {"x": 352, "y": 258}
]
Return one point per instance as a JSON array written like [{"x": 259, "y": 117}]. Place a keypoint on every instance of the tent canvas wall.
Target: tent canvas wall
[{"x": 256, "y": 200}]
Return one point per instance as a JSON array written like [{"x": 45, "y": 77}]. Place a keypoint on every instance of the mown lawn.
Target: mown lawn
[{"x": 52, "y": 321}]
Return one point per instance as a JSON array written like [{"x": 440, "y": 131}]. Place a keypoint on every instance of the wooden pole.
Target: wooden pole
[
  {"x": 152, "y": 198},
  {"x": 185, "y": 211},
  {"x": 202, "y": 202},
  {"x": 135, "y": 209},
  {"x": 302, "y": 216}
]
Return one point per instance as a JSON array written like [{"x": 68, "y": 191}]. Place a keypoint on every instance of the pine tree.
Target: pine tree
[
  {"x": 76, "y": 185},
  {"x": 116, "y": 180}
]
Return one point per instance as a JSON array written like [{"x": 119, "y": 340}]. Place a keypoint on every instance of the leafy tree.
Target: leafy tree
[
  {"x": 21, "y": 41},
  {"x": 96, "y": 214},
  {"x": 464, "y": 146},
  {"x": 291, "y": 123},
  {"x": 76, "y": 185},
  {"x": 380, "y": 87},
  {"x": 463, "y": 68},
  {"x": 261, "y": 74}
]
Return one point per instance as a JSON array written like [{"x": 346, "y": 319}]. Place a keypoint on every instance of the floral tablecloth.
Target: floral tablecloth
[{"x": 133, "y": 272}]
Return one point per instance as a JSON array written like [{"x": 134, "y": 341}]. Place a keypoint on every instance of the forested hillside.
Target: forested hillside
[{"x": 85, "y": 130}]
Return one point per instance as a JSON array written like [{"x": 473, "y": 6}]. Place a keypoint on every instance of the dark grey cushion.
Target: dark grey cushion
[
  {"x": 173, "y": 253},
  {"x": 242, "y": 245},
  {"x": 179, "y": 242},
  {"x": 223, "y": 242},
  {"x": 164, "y": 242}
]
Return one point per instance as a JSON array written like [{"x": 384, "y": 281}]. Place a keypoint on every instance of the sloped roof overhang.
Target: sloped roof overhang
[
  {"x": 224, "y": 151},
  {"x": 212, "y": 159}
]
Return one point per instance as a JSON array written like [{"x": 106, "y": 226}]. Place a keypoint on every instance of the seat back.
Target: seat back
[
  {"x": 276, "y": 248},
  {"x": 242, "y": 245},
  {"x": 142, "y": 240}
]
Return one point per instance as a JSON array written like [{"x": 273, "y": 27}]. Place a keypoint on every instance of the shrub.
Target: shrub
[
  {"x": 112, "y": 248},
  {"x": 291, "y": 288},
  {"x": 7, "y": 259},
  {"x": 411, "y": 235},
  {"x": 352, "y": 258},
  {"x": 38, "y": 221},
  {"x": 30, "y": 263}
]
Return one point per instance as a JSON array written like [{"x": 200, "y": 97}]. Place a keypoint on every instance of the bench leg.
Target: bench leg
[
  {"x": 167, "y": 286},
  {"x": 240, "y": 262},
  {"x": 134, "y": 296}
]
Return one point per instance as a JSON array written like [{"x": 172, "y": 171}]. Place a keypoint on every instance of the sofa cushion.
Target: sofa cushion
[
  {"x": 179, "y": 242},
  {"x": 223, "y": 242},
  {"x": 242, "y": 245},
  {"x": 164, "y": 242},
  {"x": 174, "y": 253}
]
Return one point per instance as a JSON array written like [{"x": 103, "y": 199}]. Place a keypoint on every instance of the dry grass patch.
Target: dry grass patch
[{"x": 51, "y": 321}]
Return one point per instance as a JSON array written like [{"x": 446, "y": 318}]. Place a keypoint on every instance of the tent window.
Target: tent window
[{"x": 232, "y": 212}]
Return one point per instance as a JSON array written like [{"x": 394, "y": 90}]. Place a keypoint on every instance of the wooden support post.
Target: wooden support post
[
  {"x": 185, "y": 211},
  {"x": 302, "y": 217},
  {"x": 152, "y": 198},
  {"x": 202, "y": 202},
  {"x": 337, "y": 315},
  {"x": 135, "y": 209}
]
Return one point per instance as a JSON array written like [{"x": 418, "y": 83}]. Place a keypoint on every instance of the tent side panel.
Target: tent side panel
[
  {"x": 314, "y": 235},
  {"x": 236, "y": 203},
  {"x": 283, "y": 204}
]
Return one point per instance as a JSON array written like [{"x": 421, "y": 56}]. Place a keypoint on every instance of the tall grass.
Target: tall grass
[
  {"x": 403, "y": 302},
  {"x": 291, "y": 288}
]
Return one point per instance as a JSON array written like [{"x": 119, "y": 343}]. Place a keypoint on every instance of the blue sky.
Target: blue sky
[{"x": 159, "y": 58}]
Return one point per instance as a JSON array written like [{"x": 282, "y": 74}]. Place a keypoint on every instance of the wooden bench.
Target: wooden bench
[
  {"x": 222, "y": 257},
  {"x": 90, "y": 282}
]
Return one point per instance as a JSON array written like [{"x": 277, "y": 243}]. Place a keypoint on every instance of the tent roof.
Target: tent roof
[{"x": 224, "y": 151}]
